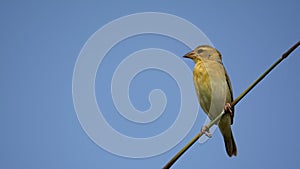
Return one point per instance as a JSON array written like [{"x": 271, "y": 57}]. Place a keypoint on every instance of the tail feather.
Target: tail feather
[{"x": 230, "y": 145}]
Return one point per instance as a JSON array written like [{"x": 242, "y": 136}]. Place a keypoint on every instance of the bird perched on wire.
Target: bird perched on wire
[{"x": 214, "y": 91}]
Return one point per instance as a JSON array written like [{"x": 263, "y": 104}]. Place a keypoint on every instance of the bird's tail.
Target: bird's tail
[
  {"x": 228, "y": 140},
  {"x": 230, "y": 145}
]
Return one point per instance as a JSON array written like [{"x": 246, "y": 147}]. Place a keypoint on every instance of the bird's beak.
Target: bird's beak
[{"x": 190, "y": 55}]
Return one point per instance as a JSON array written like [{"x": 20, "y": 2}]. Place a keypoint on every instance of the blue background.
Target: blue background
[{"x": 40, "y": 42}]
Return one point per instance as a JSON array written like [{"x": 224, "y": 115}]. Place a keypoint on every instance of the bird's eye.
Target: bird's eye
[{"x": 200, "y": 51}]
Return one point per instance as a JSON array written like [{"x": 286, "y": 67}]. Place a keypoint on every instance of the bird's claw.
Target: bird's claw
[
  {"x": 206, "y": 131},
  {"x": 228, "y": 109}
]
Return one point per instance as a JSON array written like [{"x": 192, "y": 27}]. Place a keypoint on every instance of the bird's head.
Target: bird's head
[{"x": 204, "y": 52}]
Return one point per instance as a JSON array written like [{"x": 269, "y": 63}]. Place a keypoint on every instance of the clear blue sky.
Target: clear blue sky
[{"x": 41, "y": 41}]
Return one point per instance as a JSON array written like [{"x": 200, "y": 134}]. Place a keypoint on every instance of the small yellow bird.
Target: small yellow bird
[{"x": 214, "y": 91}]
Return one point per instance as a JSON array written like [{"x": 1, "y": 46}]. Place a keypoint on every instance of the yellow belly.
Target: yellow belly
[{"x": 211, "y": 87}]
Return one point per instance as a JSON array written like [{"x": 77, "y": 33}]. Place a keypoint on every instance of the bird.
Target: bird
[{"x": 214, "y": 91}]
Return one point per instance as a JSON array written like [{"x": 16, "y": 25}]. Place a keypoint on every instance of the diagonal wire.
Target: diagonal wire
[{"x": 235, "y": 101}]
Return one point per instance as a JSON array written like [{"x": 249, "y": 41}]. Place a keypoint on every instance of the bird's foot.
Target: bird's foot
[
  {"x": 206, "y": 131},
  {"x": 228, "y": 109}
]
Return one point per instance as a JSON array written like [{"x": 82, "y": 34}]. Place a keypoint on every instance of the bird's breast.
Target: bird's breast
[
  {"x": 211, "y": 86},
  {"x": 202, "y": 85}
]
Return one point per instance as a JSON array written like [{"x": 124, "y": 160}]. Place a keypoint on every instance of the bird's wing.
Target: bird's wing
[{"x": 230, "y": 90}]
